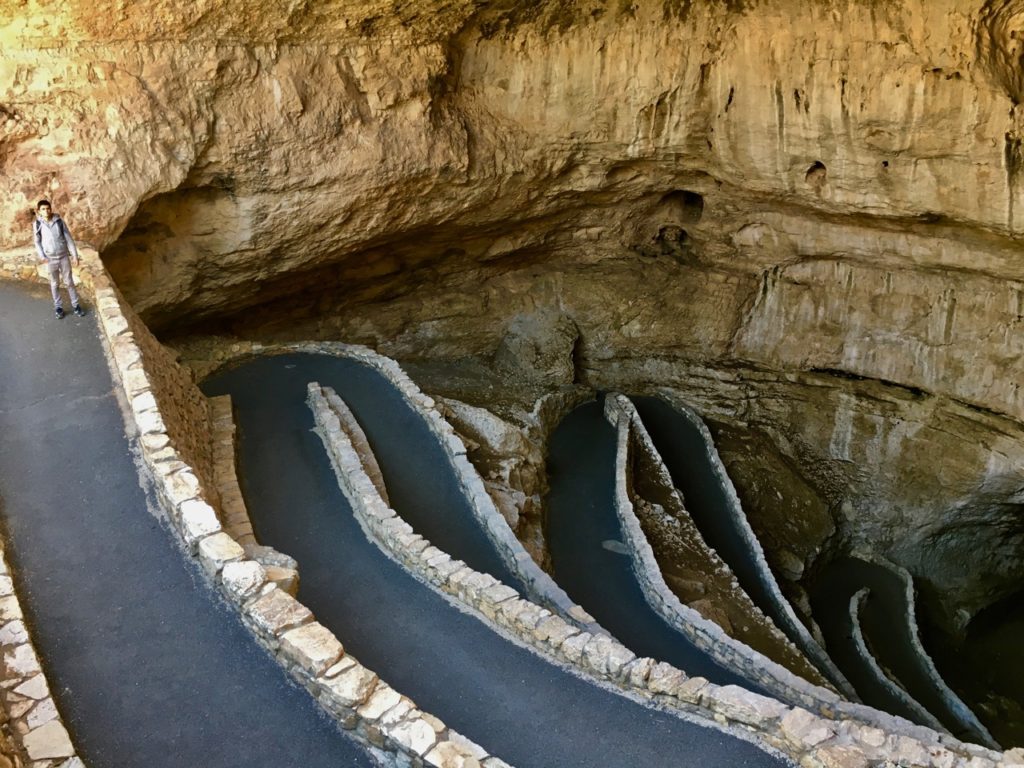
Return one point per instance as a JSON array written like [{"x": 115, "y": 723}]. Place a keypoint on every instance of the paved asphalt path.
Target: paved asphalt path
[
  {"x": 581, "y": 519},
  {"x": 148, "y": 667},
  {"x": 523, "y": 709}
]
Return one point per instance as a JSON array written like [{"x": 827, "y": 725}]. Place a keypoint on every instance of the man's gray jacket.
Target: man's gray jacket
[{"x": 53, "y": 241}]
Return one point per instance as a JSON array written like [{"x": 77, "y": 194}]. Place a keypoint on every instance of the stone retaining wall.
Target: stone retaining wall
[
  {"x": 731, "y": 653},
  {"x": 234, "y": 515},
  {"x": 705, "y": 634},
  {"x": 960, "y": 710},
  {"x": 921, "y": 715},
  {"x": 32, "y": 721},
  {"x": 32, "y": 733},
  {"x": 383, "y": 717},
  {"x": 493, "y": 523},
  {"x": 792, "y": 624},
  {"x": 811, "y": 740}
]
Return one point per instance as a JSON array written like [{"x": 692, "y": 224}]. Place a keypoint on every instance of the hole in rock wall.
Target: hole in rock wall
[
  {"x": 817, "y": 175},
  {"x": 682, "y": 206}
]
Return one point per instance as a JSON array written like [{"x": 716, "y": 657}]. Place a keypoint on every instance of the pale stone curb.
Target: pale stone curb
[
  {"x": 894, "y": 690},
  {"x": 494, "y": 525},
  {"x": 492, "y": 522},
  {"x": 964, "y": 714},
  {"x": 709, "y": 636}
]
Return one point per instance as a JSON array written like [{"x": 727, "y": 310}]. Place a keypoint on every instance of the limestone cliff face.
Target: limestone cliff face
[{"x": 809, "y": 216}]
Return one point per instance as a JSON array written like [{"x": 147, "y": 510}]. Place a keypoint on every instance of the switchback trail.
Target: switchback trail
[
  {"x": 147, "y": 665},
  {"x": 520, "y": 707}
]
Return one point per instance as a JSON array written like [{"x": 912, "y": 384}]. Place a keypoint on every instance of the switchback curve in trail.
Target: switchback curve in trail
[
  {"x": 885, "y": 620},
  {"x": 146, "y": 663},
  {"x": 512, "y": 702},
  {"x": 581, "y": 520}
]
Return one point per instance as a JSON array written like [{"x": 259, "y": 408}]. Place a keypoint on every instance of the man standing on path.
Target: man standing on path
[{"x": 56, "y": 247}]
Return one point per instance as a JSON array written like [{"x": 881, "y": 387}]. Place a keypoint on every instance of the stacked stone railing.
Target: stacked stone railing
[
  {"x": 957, "y": 708},
  {"x": 703, "y": 633},
  {"x": 508, "y": 547},
  {"x": 792, "y": 625},
  {"x": 165, "y": 410},
  {"x": 32, "y": 720},
  {"x": 908, "y": 702},
  {"x": 540, "y": 585},
  {"x": 711, "y": 638},
  {"x": 813, "y": 740},
  {"x": 234, "y": 515}
]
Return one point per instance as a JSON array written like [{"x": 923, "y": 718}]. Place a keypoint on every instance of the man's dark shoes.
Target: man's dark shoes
[
  {"x": 58, "y": 313},
  {"x": 79, "y": 311}
]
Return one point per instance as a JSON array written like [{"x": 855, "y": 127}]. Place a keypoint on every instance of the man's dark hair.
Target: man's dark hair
[{"x": 41, "y": 203}]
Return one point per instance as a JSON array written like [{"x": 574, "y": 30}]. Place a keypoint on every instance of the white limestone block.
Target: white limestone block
[
  {"x": 218, "y": 550},
  {"x": 13, "y": 633},
  {"x": 746, "y": 706},
  {"x": 448, "y": 754},
  {"x": 383, "y": 698},
  {"x": 43, "y": 712},
  {"x": 21, "y": 662},
  {"x": 34, "y": 688},
  {"x": 312, "y": 646},
  {"x": 351, "y": 688},
  {"x": 10, "y": 610},
  {"x": 805, "y": 730},
  {"x": 415, "y": 734},
  {"x": 198, "y": 520},
  {"x": 277, "y": 612},
  {"x": 243, "y": 579},
  {"x": 150, "y": 422},
  {"x": 572, "y": 649},
  {"x": 664, "y": 678},
  {"x": 182, "y": 486}
]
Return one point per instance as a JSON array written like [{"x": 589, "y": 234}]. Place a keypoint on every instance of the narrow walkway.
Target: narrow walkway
[
  {"x": 529, "y": 712},
  {"x": 147, "y": 666},
  {"x": 582, "y": 524},
  {"x": 685, "y": 455}
]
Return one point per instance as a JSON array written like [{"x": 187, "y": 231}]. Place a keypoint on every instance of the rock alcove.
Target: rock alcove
[{"x": 807, "y": 220}]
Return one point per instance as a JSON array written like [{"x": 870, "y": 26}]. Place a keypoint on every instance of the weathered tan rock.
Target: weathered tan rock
[
  {"x": 415, "y": 734},
  {"x": 275, "y": 612},
  {"x": 198, "y": 520},
  {"x": 383, "y": 698},
  {"x": 745, "y": 706},
  {"x": 312, "y": 646},
  {"x": 664, "y": 678},
  {"x": 803, "y": 729},
  {"x": 447, "y": 754},
  {"x": 218, "y": 550},
  {"x": 351, "y": 688}
]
